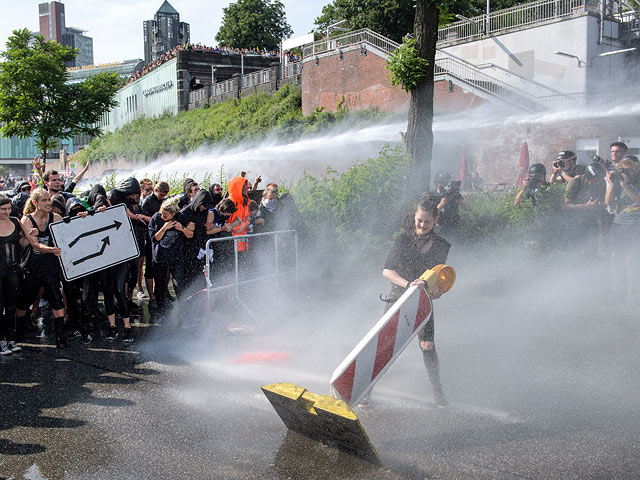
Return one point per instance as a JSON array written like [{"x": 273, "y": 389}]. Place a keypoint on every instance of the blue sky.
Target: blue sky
[{"x": 116, "y": 25}]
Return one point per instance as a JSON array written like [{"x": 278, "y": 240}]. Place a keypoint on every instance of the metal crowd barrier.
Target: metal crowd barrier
[{"x": 237, "y": 283}]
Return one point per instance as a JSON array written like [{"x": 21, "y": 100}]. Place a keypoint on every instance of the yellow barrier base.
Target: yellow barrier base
[{"x": 321, "y": 418}]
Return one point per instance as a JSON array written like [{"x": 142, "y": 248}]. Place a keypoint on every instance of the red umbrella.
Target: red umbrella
[{"x": 524, "y": 163}]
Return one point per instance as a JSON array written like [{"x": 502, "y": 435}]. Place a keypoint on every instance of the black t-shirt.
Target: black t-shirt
[
  {"x": 450, "y": 214},
  {"x": 10, "y": 247},
  {"x": 151, "y": 205},
  {"x": 411, "y": 256}
]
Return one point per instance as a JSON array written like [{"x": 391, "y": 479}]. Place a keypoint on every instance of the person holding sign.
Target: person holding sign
[{"x": 417, "y": 249}]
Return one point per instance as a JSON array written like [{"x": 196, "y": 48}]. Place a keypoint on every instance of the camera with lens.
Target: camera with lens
[
  {"x": 605, "y": 163},
  {"x": 559, "y": 164},
  {"x": 616, "y": 176},
  {"x": 453, "y": 187}
]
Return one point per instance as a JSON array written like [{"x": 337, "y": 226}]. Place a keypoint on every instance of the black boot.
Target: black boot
[
  {"x": 430, "y": 358},
  {"x": 61, "y": 340}
]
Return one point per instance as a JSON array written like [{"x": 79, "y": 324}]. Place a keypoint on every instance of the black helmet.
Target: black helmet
[
  {"x": 566, "y": 155},
  {"x": 596, "y": 170},
  {"x": 537, "y": 169},
  {"x": 442, "y": 177}
]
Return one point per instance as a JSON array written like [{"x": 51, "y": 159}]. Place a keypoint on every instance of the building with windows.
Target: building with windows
[
  {"x": 164, "y": 32},
  {"x": 53, "y": 28}
]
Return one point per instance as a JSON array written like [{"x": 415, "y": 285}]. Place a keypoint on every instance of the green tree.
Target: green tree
[
  {"x": 254, "y": 24},
  {"x": 36, "y": 100},
  {"x": 391, "y": 18},
  {"x": 394, "y": 18}
]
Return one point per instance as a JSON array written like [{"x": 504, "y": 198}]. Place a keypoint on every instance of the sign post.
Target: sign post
[{"x": 95, "y": 242}]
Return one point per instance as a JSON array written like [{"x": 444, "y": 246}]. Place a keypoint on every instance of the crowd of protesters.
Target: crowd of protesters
[
  {"x": 170, "y": 54},
  {"x": 171, "y": 233}
]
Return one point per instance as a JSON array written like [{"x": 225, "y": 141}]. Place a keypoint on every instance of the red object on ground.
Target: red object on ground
[
  {"x": 524, "y": 163},
  {"x": 261, "y": 357}
]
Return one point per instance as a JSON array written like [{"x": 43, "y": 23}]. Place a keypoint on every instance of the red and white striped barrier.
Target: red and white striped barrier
[{"x": 375, "y": 353}]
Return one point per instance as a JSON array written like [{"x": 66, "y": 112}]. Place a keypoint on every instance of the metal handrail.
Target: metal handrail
[
  {"x": 351, "y": 38},
  {"x": 479, "y": 80},
  {"x": 512, "y": 18}
]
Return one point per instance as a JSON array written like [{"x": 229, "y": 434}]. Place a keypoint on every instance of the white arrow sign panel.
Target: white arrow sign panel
[{"x": 95, "y": 242}]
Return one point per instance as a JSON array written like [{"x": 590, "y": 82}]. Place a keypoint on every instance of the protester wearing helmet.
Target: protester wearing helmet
[
  {"x": 565, "y": 168},
  {"x": 534, "y": 184}
]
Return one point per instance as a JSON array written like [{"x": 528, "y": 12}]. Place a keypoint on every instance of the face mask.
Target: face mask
[{"x": 270, "y": 204}]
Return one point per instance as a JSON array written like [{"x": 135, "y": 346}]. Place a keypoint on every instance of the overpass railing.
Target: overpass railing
[{"x": 513, "y": 18}]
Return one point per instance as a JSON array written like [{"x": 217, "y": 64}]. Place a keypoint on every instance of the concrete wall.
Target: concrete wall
[
  {"x": 150, "y": 96},
  {"x": 530, "y": 54}
]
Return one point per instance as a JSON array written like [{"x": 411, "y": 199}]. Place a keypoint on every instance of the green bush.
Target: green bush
[
  {"x": 358, "y": 210},
  {"x": 252, "y": 118}
]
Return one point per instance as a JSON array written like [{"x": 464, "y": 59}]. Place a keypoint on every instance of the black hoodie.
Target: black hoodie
[
  {"x": 97, "y": 197},
  {"x": 17, "y": 204},
  {"x": 73, "y": 203},
  {"x": 193, "y": 245},
  {"x": 119, "y": 194}
]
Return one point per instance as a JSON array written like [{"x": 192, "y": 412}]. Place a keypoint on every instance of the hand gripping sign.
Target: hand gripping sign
[
  {"x": 359, "y": 371},
  {"x": 95, "y": 242}
]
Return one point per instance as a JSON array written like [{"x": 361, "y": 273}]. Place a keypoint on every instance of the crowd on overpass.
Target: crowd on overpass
[{"x": 197, "y": 47}]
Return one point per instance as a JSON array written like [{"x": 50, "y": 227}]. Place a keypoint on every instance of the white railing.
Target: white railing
[
  {"x": 478, "y": 80},
  {"x": 356, "y": 37},
  {"x": 255, "y": 78},
  {"x": 221, "y": 88},
  {"x": 513, "y": 18},
  {"x": 199, "y": 95}
]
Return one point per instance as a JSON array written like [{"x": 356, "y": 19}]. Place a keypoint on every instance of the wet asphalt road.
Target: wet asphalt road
[{"x": 533, "y": 396}]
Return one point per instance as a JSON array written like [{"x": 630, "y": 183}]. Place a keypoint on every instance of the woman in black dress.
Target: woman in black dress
[{"x": 417, "y": 249}]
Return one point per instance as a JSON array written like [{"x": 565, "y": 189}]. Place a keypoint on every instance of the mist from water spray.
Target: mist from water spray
[{"x": 538, "y": 336}]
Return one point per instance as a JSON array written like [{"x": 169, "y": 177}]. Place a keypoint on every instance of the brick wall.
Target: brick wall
[{"x": 360, "y": 81}]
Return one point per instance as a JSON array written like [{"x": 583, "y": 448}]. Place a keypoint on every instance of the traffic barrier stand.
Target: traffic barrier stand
[{"x": 331, "y": 419}]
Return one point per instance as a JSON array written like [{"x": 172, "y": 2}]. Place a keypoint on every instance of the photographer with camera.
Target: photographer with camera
[
  {"x": 584, "y": 201},
  {"x": 535, "y": 183},
  {"x": 623, "y": 200},
  {"x": 449, "y": 200},
  {"x": 565, "y": 168}
]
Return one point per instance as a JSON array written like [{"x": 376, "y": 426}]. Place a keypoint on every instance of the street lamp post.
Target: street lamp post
[{"x": 583, "y": 64}]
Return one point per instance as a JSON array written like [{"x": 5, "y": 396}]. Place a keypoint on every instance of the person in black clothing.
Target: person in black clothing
[
  {"x": 415, "y": 251},
  {"x": 42, "y": 268},
  {"x": 167, "y": 231},
  {"x": 216, "y": 193},
  {"x": 184, "y": 198},
  {"x": 450, "y": 200},
  {"x": 195, "y": 216},
  {"x": 150, "y": 206},
  {"x": 18, "y": 202},
  {"x": 14, "y": 236},
  {"x": 218, "y": 227},
  {"x": 98, "y": 197},
  {"x": 125, "y": 193}
]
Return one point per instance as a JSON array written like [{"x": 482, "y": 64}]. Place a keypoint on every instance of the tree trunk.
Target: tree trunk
[{"x": 419, "y": 136}]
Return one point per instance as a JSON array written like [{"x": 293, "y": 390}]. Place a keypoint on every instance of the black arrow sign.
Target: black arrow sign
[
  {"x": 105, "y": 242},
  {"x": 116, "y": 225}
]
